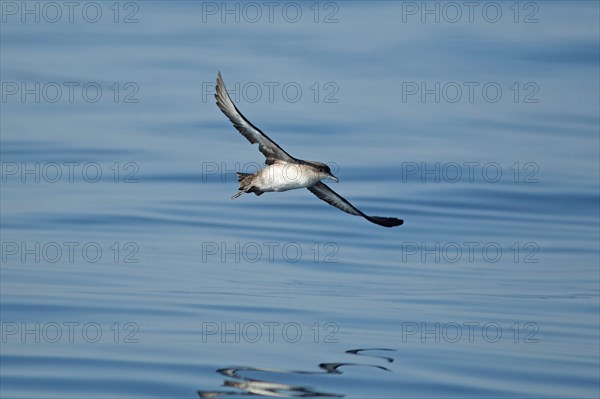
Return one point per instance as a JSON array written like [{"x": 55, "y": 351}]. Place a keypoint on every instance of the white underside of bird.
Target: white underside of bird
[{"x": 284, "y": 177}]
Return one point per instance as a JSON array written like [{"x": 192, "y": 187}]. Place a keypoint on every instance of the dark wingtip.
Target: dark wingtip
[
  {"x": 393, "y": 222},
  {"x": 386, "y": 222}
]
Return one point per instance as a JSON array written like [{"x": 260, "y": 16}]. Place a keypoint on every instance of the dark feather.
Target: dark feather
[
  {"x": 325, "y": 193},
  {"x": 268, "y": 147}
]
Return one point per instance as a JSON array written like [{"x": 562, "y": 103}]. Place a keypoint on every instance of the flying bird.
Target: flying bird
[{"x": 284, "y": 172}]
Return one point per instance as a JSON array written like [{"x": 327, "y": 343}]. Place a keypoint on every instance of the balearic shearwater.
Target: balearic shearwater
[{"x": 284, "y": 172}]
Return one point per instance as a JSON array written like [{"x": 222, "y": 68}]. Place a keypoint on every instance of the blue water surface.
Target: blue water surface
[{"x": 128, "y": 272}]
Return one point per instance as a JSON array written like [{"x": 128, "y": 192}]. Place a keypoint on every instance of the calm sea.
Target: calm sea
[{"x": 127, "y": 271}]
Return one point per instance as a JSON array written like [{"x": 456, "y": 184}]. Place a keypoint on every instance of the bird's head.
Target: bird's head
[{"x": 324, "y": 171}]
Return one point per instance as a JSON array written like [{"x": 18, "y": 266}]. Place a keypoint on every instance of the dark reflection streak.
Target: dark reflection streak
[
  {"x": 255, "y": 387},
  {"x": 359, "y": 353},
  {"x": 332, "y": 368}
]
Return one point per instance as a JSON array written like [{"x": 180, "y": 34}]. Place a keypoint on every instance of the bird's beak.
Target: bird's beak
[{"x": 332, "y": 177}]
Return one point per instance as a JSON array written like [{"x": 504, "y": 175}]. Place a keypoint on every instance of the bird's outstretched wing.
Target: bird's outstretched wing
[
  {"x": 268, "y": 147},
  {"x": 322, "y": 191}
]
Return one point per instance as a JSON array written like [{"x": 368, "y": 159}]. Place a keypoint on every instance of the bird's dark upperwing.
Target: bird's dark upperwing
[
  {"x": 322, "y": 191},
  {"x": 268, "y": 147}
]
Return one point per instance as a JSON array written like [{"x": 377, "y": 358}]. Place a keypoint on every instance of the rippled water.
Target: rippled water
[{"x": 127, "y": 271}]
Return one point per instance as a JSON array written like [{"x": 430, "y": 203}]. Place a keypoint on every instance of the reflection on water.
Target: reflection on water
[{"x": 259, "y": 387}]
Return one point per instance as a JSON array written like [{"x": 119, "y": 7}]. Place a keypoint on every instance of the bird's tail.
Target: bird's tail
[{"x": 245, "y": 180}]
